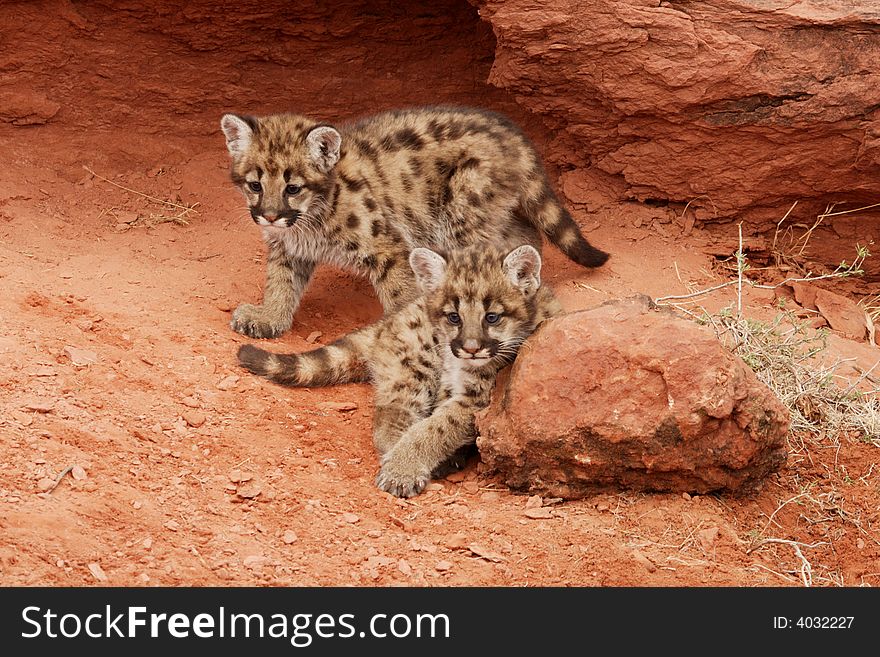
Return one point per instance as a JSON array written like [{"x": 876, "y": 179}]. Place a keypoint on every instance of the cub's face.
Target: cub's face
[
  {"x": 284, "y": 166},
  {"x": 482, "y": 302}
]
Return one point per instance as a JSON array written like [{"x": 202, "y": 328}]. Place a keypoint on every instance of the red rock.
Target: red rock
[
  {"x": 457, "y": 541},
  {"x": 249, "y": 490},
  {"x": 26, "y": 107},
  {"x": 623, "y": 396},
  {"x": 40, "y": 405},
  {"x": 730, "y": 104},
  {"x": 228, "y": 382},
  {"x": 643, "y": 559},
  {"x": 471, "y": 487},
  {"x": 45, "y": 484},
  {"x": 534, "y": 502},
  {"x": 804, "y": 294},
  {"x": 843, "y": 314},
  {"x": 97, "y": 572},
  {"x": 484, "y": 553},
  {"x": 707, "y": 537},
  {"x": 81, "y": 357},
  {"x": 341, "y": 407},
  {"x": 194, "y": 418}
]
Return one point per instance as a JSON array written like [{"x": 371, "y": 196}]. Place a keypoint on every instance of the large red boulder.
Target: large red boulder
[{"x": 628, "y": 396}]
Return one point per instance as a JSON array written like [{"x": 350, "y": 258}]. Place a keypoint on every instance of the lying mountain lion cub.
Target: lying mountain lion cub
[{"x": 433, "y": 363}]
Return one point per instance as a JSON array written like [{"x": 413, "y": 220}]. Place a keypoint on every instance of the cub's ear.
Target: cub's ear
[
  {"x": 429, "y": 268},
  {"x": 323, "y": 143},
  {"x": 239, "y": 131},
  {"x": 523, "y": 267}
]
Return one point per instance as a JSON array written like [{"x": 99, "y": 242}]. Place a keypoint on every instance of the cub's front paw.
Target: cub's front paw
[
  {"x": 254, "y": 322},
  {"x": 402, "y": 476}
]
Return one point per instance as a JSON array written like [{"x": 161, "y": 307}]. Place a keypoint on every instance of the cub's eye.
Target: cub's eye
[
  {"x": 254, "y": 186},
  {"x": 293, "y": 190},
  {"x": 493, "y": 318},
  {"x": 453, "y": 318}
]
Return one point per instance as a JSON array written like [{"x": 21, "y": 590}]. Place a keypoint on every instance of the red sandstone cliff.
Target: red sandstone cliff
[{"x": 736, "y": 105}]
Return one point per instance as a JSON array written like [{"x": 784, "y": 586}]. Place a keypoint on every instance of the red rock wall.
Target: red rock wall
[
  {"x": 741, "y": 106},
  {"x": 105, "y": 69}
]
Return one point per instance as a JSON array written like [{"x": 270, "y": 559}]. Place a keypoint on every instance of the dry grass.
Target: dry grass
[
  {"x": 787, "y": 356},
  {"x": 175, "y": 212}
]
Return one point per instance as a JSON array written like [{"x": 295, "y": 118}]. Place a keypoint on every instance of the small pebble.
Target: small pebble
[
  {"x": 249, "y": 490},
  {"x": 194, "y": 418},
  {"x": 228, "y": 382},
  {"x": 97, "y": 572},
  {"x": 534, "y": 502},
  {"x": 342, "y": 407},
  {"x": 644, "y": 560},
  {"x": 457, "y": 541},
  {"x": 80, "y": 357},
  {"x": 40, "y": 406}
]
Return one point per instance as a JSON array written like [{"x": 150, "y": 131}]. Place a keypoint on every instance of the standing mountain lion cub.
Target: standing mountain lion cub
[
  {"x": 432, "y": 363},
  {"x": 364, "y": 195}
]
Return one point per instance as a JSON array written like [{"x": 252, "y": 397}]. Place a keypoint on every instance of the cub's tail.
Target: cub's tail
[
  {"x": 548, "y": 214},
  {"x": 343, "y": 361}
]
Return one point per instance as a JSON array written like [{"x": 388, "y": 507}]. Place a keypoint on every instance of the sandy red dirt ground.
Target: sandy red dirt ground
[{"x": 194, "y": 472}]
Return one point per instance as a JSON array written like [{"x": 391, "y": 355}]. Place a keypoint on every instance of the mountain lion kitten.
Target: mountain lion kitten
[
  {"x": 364, "y": 195},
  {"x": 432, "y": 363}
]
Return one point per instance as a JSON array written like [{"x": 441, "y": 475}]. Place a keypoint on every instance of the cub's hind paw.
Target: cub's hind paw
[{"x": 253, "y": 322}]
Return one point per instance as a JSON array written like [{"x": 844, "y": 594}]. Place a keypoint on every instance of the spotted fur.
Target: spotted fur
[
  {"x": 364, "y": 195},
  {"x": 432, "y": 363}
]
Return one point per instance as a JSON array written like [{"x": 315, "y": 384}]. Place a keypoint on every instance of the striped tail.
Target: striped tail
[
  {"x": 548, "y": 214},
  {"x": 343, "y": 361}
]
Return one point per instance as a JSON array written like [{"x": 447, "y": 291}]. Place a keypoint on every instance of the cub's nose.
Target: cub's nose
[
  {"x": 269, "y": 217},
  {"x": 470, "y": 346}
]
